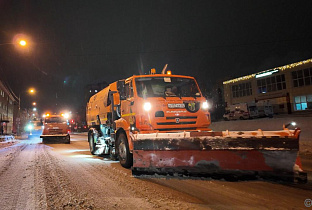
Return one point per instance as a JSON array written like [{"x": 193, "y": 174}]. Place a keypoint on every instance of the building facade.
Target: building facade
[
  {"x": 288, "y": 88},
  {"x": 8, "y": 110}
]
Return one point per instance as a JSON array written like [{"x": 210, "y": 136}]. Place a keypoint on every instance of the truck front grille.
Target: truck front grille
[
  {"x": 55, "y": 131},
  {"x": 169, "y": 129},
  {"x": 181, "y": 117},
  {"x": 176, "y": 123}
]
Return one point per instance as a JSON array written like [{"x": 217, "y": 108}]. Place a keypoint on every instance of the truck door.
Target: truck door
[{"x": 127, "y": 111}]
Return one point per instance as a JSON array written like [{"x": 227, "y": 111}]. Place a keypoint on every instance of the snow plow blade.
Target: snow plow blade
[
  {"x": 56, "y": 139},
  {"x": 211, "y": 154}
]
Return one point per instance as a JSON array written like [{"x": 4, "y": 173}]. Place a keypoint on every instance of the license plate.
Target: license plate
[
  {"x": 55, "y": 127},
  {"x": 176, "y": 106}
]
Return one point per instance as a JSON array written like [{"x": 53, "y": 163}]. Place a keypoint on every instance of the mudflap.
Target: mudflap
[{"x": 218, "y": 157}]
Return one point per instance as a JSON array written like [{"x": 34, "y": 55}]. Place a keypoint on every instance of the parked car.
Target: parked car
[
  {"x": 265, "y": 109},
  {"x": 241, "y": 111}
]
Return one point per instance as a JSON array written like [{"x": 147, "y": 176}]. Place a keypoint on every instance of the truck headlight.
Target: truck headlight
[
  {"x": 205, "y": 105},
  {"x": 147, "y": 106}
]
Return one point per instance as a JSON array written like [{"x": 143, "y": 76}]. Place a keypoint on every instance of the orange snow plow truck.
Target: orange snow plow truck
[{"x": 158, "y": 124}]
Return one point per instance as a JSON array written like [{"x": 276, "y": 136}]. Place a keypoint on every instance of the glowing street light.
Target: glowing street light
[
  {"x": 22, "y": 43},
  {"x": 34, "y": 103},
  {"x": 31, "y": 90}
]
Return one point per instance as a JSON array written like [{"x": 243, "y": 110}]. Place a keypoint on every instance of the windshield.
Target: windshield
[
  {"x": 166, "y": 87},
  {"x": 54, "y": 120}
]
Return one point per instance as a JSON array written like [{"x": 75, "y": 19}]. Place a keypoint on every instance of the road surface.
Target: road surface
[{"x": 65, "y": 176}]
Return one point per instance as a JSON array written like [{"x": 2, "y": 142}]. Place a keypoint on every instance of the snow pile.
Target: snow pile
[
  {"x": 6, "y": 140},
  {"x": 270, "y": 124}
]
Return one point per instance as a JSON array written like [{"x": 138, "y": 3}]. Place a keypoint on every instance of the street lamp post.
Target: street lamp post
[
  {"x": 21, "y": 43},
  {"x": 30, "y": 91}
]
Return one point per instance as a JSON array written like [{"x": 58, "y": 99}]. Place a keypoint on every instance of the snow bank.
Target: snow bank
[{"x": 275, "y": 123}]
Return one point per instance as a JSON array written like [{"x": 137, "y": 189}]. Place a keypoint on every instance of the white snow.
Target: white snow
[{"x": 271, "y": 124}]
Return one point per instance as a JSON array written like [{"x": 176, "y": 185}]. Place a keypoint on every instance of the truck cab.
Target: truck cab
[
  {"x": 55, "y": 129},
  {"x": 164, "y": 103}
]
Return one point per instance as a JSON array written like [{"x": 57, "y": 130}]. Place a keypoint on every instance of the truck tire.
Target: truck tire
[
  {"x": 124, "y": 155},
  {"x": 91, "y": 143}
]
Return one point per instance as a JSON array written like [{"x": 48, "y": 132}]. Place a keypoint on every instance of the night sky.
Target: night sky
[{"x": 75, "y": 43}]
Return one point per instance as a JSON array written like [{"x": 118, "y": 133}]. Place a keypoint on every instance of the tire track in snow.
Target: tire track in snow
[
  {"x": 16, "y": 177},
  {"x": 59, "y": 192}
]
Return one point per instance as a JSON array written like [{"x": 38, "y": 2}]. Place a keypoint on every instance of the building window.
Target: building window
[
  {"x": 2, "y": 93},
  {"x": 302, "y": 77},
  {"x": 241, "y": 90},
  {"x": 271, "y": 84},
  {"x": 303, "y": 102}
]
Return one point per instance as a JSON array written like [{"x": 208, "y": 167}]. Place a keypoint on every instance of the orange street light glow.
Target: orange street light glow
[
  {"x": 32, "y": 90},
  {"x": 23, "y": 43}
]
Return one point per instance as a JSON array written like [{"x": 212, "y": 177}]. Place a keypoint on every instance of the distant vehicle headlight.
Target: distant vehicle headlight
[
  {"x": 205, "y": 105},
  {"x": 147, "y": 106},
  {"x": 29, "y": 127}
]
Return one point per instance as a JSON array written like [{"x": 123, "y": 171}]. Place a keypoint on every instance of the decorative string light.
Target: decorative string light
[{"x": 281, "y": 68}]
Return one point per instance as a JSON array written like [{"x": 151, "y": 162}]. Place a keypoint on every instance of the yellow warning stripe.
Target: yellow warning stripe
[{"x": 126, "y": 115}]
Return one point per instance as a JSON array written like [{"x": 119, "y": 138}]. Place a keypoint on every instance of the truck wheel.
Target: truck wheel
[
  {"x": 124, "y": 155},
  {"x": 91, "y": 143}
]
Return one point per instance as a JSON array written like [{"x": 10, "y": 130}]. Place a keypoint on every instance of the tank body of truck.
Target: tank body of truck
[{"x": 159, "y": 123}]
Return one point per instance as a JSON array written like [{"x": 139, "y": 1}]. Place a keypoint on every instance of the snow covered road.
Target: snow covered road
[{"x": 67, "y": 176}]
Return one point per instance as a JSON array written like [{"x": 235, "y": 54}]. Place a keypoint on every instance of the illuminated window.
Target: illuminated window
[
  {"x": 271, "y": 84},
  {"x": 302, "y": 77},
  {"x": 241, "y": 90},
  {"x": 303, "y": 102}
]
